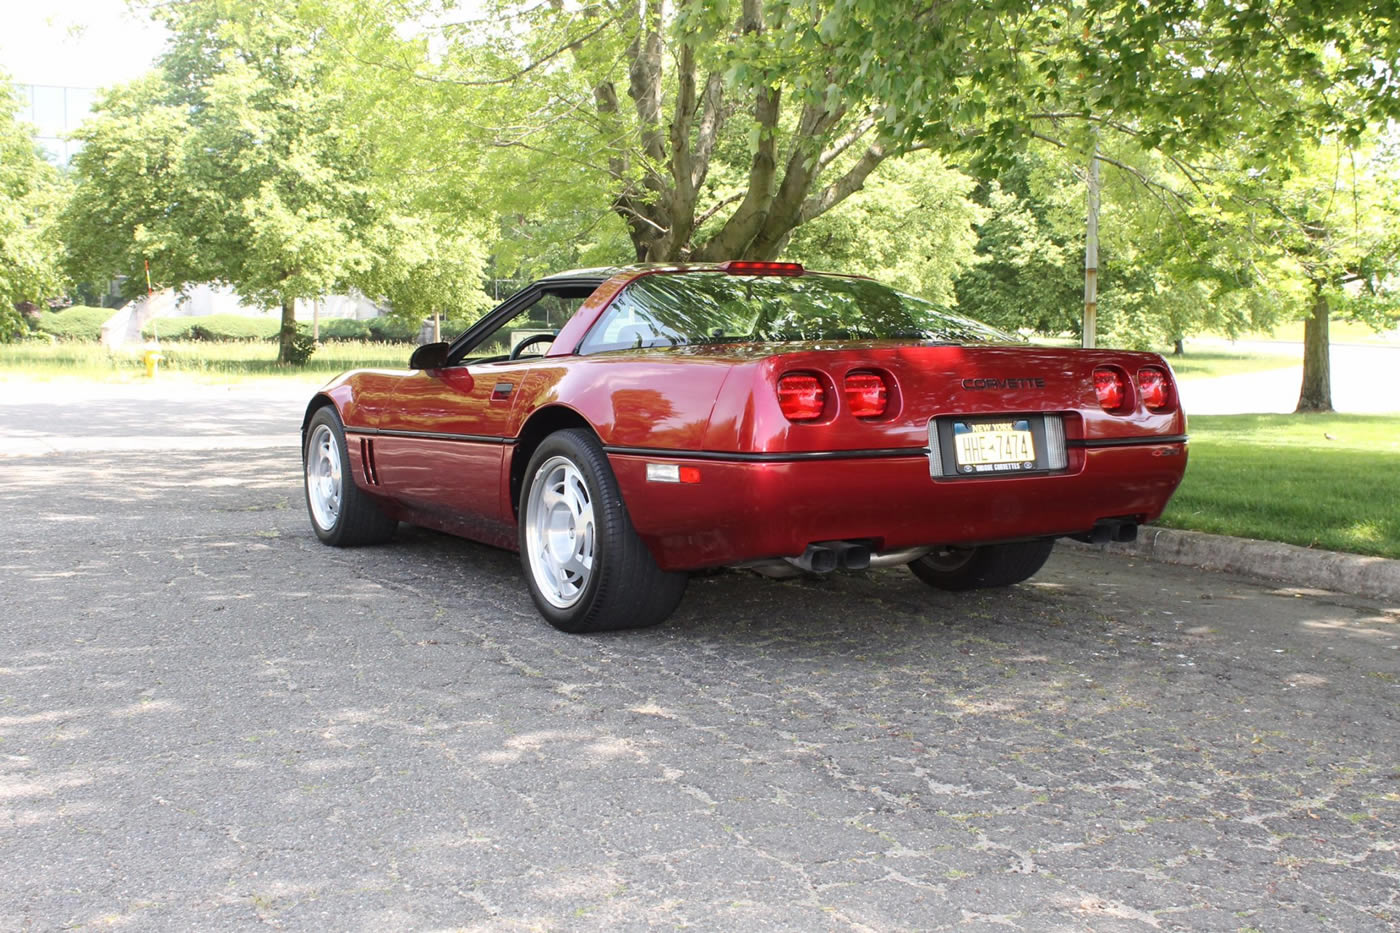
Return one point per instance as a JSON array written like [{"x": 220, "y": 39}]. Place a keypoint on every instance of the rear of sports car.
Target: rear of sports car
[{"x": 826, "y": 453}]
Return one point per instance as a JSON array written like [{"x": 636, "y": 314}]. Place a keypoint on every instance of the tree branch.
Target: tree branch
[
  {"x": 843, "y": 187},
  {"x": 844, "y": 142},
  {"x": 738, "y": 232},
  {"x": 712, "y": 116},
  {"x": 1143, "y": 179}
]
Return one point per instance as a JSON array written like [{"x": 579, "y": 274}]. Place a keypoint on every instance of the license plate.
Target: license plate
[{"x": 993, "y": 446}]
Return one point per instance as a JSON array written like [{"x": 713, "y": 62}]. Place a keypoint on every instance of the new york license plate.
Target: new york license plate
[{"x": 993, "y": 446}]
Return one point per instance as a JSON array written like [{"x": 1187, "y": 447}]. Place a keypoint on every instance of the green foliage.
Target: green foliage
[
  {"x": 212, "y": 327},
  {"x": 240, "y": 163},
  {"x": 344, "y": 329},
  {"x": 911, "y": 227},
  {"x": 302, "y": 346},
  {"x": 1028, "y": 271},
  {"x": 394, "y": 329},
  {"x": 31, "y": 192},
  {"x": 76, "y": 323}
]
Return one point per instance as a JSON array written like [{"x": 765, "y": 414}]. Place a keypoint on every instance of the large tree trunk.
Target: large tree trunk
[
  {"x": 1316, "y": 394},
  {"x": 783, "y": 190},
  {"x": 288, "y": 332}
]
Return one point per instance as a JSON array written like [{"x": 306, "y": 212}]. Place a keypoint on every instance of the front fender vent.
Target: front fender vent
[{"x": 367, "y": 461}]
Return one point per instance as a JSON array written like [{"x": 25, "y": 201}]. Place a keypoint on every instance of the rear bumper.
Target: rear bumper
[{"x": 747, "y": 510}]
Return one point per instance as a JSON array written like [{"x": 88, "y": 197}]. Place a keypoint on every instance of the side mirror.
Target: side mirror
[{"x": 429, "y": 356}]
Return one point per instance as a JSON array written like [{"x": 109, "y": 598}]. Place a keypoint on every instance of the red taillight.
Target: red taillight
[
  {"x": 1111, "y": 386},
  {"x": 801, "y": 396},
  {"x": 743, "y": 267},
  {"x": 866, "y": 394},
  {"x": 1154, "y": 388}
]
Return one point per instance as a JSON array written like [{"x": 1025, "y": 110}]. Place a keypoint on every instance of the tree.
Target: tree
[
  {"x": 30, "y": 194},
  {"x": 911, "y": 226},
  {"x": 669, "y": 118},
  {"x": 235, "y": 164},
  {"x": 1334, "y": 226},
  {"x": 716, "y": 130}
]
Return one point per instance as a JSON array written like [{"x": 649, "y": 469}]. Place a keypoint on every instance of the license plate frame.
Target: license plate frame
[{"x": 944, "y": 460}]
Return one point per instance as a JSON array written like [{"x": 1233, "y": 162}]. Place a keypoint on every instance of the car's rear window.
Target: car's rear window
[{"x": 670, "y": 310}]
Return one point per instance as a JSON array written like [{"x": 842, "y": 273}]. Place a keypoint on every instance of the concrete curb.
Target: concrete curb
[{"x": 1373, "y": 577}]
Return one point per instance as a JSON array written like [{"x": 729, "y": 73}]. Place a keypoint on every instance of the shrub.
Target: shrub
[
  {"x": 12, "y": 325},
  {"x": 395, "y": 329},
  {"x": 344, "y": 328},
  {"x": 77, "y": 323},
  {"x": 301, "y": 348},
  {"x": 213, "y": 327}
]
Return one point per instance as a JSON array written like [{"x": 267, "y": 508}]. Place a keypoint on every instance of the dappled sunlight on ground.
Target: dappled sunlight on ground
[{"x": 210, "y": 720}]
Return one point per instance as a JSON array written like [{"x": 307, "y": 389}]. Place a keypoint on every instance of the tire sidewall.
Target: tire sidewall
[
  {"x": 327, "y": 417},
  {"x": 603, "y": 491}
]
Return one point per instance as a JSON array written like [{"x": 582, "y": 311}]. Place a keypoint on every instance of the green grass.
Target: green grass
[
  {"x": 1337, "y": 332},
  {"x": 201, "y": 361},
  {"x": 1205, "y": 364},
  {"x": 1282, "y": 478},
  {"x": 1209, "y": 364}
]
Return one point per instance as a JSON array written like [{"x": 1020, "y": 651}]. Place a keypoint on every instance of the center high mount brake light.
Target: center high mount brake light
[{"x": 744, "y": 267}]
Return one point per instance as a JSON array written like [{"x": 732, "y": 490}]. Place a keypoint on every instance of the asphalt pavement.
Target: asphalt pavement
[{"x": 208, "y": 720}]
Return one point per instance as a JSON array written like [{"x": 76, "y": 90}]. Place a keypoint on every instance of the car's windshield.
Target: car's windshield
[{"x": 704, "y": 308}]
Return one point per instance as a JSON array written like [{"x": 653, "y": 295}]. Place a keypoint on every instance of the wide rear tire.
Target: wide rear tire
[
  {"x": 978, "y": 568},
  {"x": 341, "y": 514},
  {"x": 587, "y": 569}
]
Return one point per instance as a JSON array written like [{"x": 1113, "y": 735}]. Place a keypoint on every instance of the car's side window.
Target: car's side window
[
  {"x": 628, "y": 325},
  {"x": 533, "y": 326}
]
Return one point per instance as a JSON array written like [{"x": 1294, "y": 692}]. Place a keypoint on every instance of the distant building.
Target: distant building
[{"x": 55, "y": 112}]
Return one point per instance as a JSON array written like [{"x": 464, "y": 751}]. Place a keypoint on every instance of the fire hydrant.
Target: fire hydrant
[{"x": 152, "y": 358}]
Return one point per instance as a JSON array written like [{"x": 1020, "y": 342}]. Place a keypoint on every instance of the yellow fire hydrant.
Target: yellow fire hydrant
[{"x": 152, "y": 358}]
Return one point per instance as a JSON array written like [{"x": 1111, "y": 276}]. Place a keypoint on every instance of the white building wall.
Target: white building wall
[{"x": 204, "y": 300}]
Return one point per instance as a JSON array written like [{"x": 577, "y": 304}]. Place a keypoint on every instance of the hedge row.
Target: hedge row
[
  {"x": 237, "y": 327},
  {"x": 76, "y": 323},
  {"x": 212, "y": 327},
  {"x": 85, "y": 323}
]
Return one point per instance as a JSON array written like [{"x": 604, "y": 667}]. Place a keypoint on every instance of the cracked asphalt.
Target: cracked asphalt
[{"x": 208, "y": 720}]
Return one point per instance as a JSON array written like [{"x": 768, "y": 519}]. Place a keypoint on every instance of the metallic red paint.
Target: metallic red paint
[
  {"x": 445, "y": 441},
  {"x": 746, "y": 511}
]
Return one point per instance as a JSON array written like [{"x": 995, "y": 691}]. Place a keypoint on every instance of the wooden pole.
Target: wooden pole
[{"x": 1091, "y": 255}]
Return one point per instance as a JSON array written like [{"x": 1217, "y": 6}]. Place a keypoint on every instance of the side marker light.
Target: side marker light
[{"x": 672, "y": 473}]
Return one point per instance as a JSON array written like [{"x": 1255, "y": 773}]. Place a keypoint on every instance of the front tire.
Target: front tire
[
  {"x": 978, "y": 568},
  {"x": 587, "y": 569},
  {"x": 341, "y": 514}
]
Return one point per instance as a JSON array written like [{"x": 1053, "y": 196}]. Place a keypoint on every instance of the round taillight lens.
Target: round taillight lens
[
  {"x": 1111, "y": 386},
  {"x": 1155, "y": 389},
  {"x": 801, "y": 396},
  {"x": 866, "y": 394}
]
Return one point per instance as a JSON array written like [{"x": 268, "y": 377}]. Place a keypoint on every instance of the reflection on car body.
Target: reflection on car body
[{"x": 623, "y": 427}]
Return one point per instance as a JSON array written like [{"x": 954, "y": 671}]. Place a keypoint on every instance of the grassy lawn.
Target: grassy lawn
[
  {"x": 200, "y": 361},
  {"x": 1282, "y": 478},
  {"x": 1337, "y": 332},
  {"x": 1209, "y": 364}
]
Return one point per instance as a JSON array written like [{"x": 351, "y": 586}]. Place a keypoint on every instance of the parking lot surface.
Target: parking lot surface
[{"x": 208, "y": 720}]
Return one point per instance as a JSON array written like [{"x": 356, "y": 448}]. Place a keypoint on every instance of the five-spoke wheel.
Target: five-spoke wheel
[
  {"x": 560, "y": 533},
  {"x": 341, "y": 514},
  {"x": 587, "y": 569}
]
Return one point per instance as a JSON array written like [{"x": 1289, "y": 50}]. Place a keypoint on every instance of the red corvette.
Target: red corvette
[{"x": 621, "y": 427}]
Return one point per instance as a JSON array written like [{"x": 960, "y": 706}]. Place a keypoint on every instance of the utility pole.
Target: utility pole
[{"x": 1091, "y": 253}]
